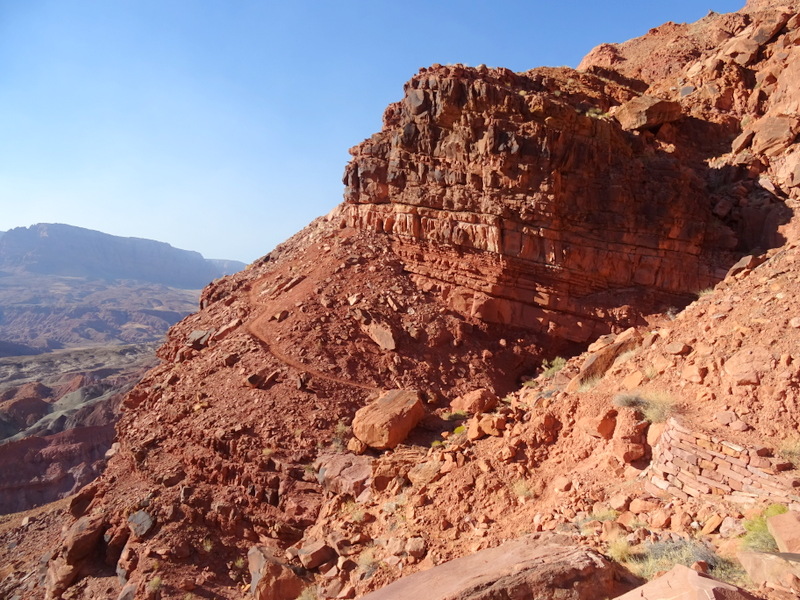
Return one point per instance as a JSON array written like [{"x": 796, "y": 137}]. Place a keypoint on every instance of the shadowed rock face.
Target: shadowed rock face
[{"x": 522, "y": 203}]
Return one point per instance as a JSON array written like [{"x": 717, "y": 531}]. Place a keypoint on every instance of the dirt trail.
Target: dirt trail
[{"x": 259, "y": 329}]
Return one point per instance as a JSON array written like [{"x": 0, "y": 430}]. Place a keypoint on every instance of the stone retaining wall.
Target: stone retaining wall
[{"x": 687, "y": 463}]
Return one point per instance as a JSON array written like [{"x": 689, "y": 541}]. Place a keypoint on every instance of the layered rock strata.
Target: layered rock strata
[{"x": 518, "y": 199}]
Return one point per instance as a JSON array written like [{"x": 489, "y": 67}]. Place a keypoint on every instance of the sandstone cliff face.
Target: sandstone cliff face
[{"x": 521, "y": 202}]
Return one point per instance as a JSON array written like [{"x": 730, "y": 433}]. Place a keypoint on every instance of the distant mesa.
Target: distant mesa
[
  {"x": 63, "y": 286},
  {"x": 65, "y": 250}
]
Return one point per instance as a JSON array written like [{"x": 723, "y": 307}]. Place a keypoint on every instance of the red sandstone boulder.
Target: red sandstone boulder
[
  {"x": 772, "y": 135},
  {"x": 683, "y": 583},
  {"x": 476, "y": 401},
  {"x": 785, "y": 529},
  {"x": 345, "y": 473},
  {"x": 601, "y": 360},
  {"x": 778, "y": 571},
  {"x": 530, "y": 567},
  {"x": 646, "y": 112},
  {"x": 270, "y": 579},
  {"x": 387, "y": 421}
]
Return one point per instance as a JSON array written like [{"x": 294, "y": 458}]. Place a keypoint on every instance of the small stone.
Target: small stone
[
  {"x": 725, "y": 417},
  {"x": 619, "y": 502},
  {"x": 476, "y": 401},
  {"x": 562, "y": 484},
  {"x": 315, "y": 554},
  {"x": 712, "y": 524},
  {"x": 739, "y": 425},
  {"x": 356, "y": 446},
  {"x": 641, "y": 505},
  {"x": 140, "y": 523},
  {"x": 677, "y": 348},
  {"x": 700, "y": 566},
  {"x": 731, "y": 527}
]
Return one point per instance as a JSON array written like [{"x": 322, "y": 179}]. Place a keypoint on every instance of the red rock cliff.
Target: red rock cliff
[{"x": 519, "y": 199}]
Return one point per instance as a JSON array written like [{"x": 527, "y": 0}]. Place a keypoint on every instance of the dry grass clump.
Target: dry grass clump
[
  {"x": 791, "y": 451},
  {"x": 619, "y": 550},
  {"x": 656, "y": 407},
  {"x": 652, "y": 558},
  {"x": 310, "y": 593},
  {"x": 522, "y": 489}
]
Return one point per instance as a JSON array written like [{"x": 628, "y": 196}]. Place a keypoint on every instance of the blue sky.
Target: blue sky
[{"x": 223, "y": 126}]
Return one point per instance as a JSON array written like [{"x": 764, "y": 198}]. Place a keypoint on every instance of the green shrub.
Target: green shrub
[
  {"x": 551, "y": 367},
  {"x": 456, "y": 415},
  {"x": 757, "y": 536},
  {"x": 154, "y": 584}
]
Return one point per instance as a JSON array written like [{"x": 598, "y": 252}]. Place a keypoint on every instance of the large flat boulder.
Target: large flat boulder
[
  {"x": 785, "y": 528},
  {"x": 386, "y": 422},
  {"x": 777, "y": 570},
  {"x": 534, "y": 566},
  {"x": 683, "y": 583},
  {"x": 646, "y": 112}
]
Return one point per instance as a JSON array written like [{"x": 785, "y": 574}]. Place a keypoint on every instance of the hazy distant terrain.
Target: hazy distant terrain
[
  {"x": 64, "y": 250},
  {"x": 64, "y": 286},
  {"x": 81, "y": 315}
]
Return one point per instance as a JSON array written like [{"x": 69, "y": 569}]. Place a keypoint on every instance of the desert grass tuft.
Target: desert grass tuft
[{"x": 656, "y": 407}]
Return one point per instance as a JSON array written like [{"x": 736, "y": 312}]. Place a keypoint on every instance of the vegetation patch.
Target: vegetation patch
[
  {"x": 791, "y": 451},
  {"x": 456, "y": 415},
  {"x": 551, "y": 367},
  {"x": 589, "y": 384},
  {"x": 656, "y": 407},
  {"x": 522, "y": 489},
  {"x": 757, "y": 537},
  {"x": 662, "y": 556},
  {"x": 310, "y": 593}
]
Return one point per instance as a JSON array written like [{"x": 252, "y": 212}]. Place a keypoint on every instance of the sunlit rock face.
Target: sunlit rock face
[{"x": 523, "y": 202}]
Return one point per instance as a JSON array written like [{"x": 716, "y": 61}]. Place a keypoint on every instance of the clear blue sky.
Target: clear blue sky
[{"x": 223, "y": 126}]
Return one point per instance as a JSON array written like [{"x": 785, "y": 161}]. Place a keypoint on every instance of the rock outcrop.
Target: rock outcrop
[
  {"x": 538, "y": 566},
  {"x": 517, "y": 199}
]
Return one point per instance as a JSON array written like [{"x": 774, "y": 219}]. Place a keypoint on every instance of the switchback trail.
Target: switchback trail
[{"x": 258, "y": 328}]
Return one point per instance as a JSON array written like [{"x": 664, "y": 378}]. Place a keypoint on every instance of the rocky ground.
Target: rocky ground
[{"x": 382, "y": 394}]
